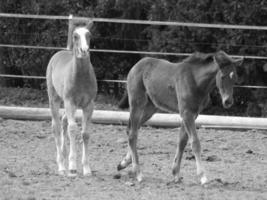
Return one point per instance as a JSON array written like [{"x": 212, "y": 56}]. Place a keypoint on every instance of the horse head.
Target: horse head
[
  {"x": 227, "y": 76},
  {"x": 79, "y": 37}
]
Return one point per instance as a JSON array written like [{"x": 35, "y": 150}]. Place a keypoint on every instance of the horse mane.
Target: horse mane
[{"x": 199, "y": 57}]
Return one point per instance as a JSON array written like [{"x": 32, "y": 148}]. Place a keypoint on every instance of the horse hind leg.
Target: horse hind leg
[
  {"x": 87, "y": 114},
  {"x": 64, "y": 129},
  {"x": 138, "y": 116},
  {"x": 149, "y": 110}
]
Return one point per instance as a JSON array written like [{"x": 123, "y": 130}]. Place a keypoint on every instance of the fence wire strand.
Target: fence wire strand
[{"x": 144, "y": 22}]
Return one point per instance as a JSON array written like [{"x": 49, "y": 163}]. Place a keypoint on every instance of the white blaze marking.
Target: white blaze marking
[
  {"x": 82, "y": 32},
  {"x": 231, "y": 75}
]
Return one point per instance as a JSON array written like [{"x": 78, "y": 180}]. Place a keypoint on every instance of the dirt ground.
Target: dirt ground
[{"x": 236, "y": 162}]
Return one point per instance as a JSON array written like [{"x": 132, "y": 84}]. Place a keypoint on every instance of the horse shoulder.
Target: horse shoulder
[
  {"x": 61, "y": 58},
  {"x": 188, "y": 94}
]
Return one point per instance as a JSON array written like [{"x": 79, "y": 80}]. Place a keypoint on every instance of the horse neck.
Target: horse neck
[
  {"x": 81, "y": 66},
  {"x": 205, "y": 77}
]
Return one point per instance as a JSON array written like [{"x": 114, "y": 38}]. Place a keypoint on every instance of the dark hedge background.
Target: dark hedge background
[{"x": 250, "y": 102}]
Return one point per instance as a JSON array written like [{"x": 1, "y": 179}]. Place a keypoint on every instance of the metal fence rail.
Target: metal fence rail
[{"x": 144, "y": 22}]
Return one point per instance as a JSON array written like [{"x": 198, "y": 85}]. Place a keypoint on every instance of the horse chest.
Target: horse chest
[
  {"x": 81, "y": 94},
  {"x": 81, "y": 98}
]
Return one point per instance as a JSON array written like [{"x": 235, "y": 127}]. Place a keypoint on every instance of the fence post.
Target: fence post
[{"x": 69, "y": 32}]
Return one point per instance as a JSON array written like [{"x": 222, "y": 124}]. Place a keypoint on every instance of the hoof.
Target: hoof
[
  {"x": 120, "y": 167},
  {"x": 72, "y": 173},
  {"x": 87, "y": 172},
  {"x": 117, "y": 176},
  {"x": 62, "y": 172},
  {"x": 178, "y": 179},
  {"x": 203, "y": 180},
  {"x": 140, "y": 177}
]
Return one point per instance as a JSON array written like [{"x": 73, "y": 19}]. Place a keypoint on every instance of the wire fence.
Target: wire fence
[
  {"x": 125, "y": 51},
  {"x": 127, "y": 21},
  {"x": 143, "y": 22},
  {"x": 113, "y": 81}
]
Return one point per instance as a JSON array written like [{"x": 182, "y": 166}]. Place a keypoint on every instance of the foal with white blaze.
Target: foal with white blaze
[{"x": 71, "y": 78}]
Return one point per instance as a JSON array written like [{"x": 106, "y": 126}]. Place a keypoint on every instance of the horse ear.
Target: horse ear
[
  {"x": 89, "y": 24},
  {"x": 70, "y": 31},
  {"x": 222, "y": 59},
  {"x": 238, "y": 61},
  {"x": 241, "y": 71}
]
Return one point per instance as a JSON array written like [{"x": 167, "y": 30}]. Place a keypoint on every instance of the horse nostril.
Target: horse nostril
[{"x": 228, "y": 103}]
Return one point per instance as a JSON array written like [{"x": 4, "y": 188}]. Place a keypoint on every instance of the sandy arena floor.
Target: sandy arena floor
[{"x": 236, "y": 162}]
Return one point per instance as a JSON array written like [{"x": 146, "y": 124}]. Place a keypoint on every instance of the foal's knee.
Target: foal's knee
[
  {"x": 64, "y": 122},
  {"x": 85, "y": 137},
  {"x": 182, "y": 141},
  {"x": 196, "y": 148},
  {"x": 72, "y": 129},
  {"x": 55, "y": 126}
]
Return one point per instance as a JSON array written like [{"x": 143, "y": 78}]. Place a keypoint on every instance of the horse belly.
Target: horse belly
[{"x": 163, "y": 95}]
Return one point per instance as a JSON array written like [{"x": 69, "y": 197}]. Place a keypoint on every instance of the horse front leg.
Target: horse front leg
[
  {"x": 87, "y": 114},
  {"x": 190, "y": 127},
  {"x": 59, "y": 138},
  {"x": 64, "y": 129},
  {"x": 72, "y": 132},
  {"x": 182, "y": 141}
]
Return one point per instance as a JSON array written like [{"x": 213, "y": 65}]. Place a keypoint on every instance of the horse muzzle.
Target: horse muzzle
[
  {"x": 85, "y": 53},
  {"x": 227, "y": 102},
  {"x": 82, "y": 53}
]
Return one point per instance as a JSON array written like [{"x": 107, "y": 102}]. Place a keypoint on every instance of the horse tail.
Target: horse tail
[{"x": 124, "y": 102}]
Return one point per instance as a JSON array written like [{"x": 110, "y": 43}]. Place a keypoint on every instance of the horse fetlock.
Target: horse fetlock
[
  {"x": 177, "y": 179},
  {"x": 61, "y": 166},
  {"x": 72, "y": 162},
  {"x": 202, "y": 176},
  {"x": 175, "y": 169},
  {"x": 62, "y": 172},
  {"x": 87, "y": 170},
  {"x": 85, "y": 136},
  {"x": 137, "y": 171},
  {"x": 72, "y": 127},
  {"x": 139, "y": 176},
  {"x": 203, "y": 180}
]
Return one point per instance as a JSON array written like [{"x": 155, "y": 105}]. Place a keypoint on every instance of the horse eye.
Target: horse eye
[{"x": 75, "y": 37}]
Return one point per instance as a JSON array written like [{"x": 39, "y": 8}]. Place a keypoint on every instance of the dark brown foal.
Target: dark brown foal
[{"x": 177, "y": 87}]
